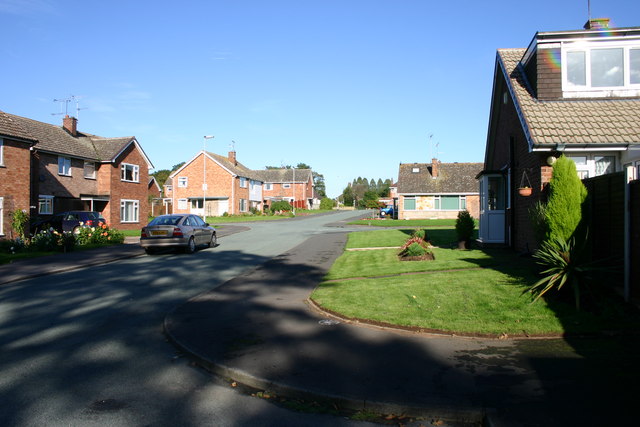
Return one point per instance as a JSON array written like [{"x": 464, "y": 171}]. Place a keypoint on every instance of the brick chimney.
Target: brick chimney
[
  {"x": 232, "y": 158},
  {"x": 597, "y": 24},
  {"x": 70, "y": 124},
  {"x": 434, "y": 168}
]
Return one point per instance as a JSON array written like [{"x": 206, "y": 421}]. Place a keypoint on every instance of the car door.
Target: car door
[{"x": 201, "y": 230}]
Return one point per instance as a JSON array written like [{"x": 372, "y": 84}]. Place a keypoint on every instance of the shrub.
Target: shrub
[
  {"x": 20, "y": 223},
  {"x": 420, "y": 233},
  {"x": 51, "y": 240},
  {"x": 8, "y": 246},
  {"x": 465, "y": 225},
  {"x": 566, "y": 194},
  {"x": 327, "y": 204},
  {"x": 537, "y": 217},
  {"x": 566, "y": 262},
  {"x": 281, "y": 205},
  {"x": 100, "y": 235},
  {"x": 415, "y": 246}
]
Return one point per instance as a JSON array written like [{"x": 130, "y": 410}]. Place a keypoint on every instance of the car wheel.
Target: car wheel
[
  {"x": 191, "y": 246},
  {"x": 213, "y": 242}
]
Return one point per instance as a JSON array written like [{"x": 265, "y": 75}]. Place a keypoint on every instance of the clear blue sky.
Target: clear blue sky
[{"x": 351, "y": 87}]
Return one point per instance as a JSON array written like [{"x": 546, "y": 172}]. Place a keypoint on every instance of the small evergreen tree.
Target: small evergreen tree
[
  {"x": 465, "y": 225},
  {"x": 563, "y": 211}
]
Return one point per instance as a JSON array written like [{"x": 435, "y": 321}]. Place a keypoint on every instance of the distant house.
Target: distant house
[
  {"x": 292, "y": 185},
  {"x": 437, "y": 190},
  {"x": 575, "y": 93},
  {"x": 15, "y": 171},
  {"x": 212, "y": 184},
  {"x": 71, "y": 170}
]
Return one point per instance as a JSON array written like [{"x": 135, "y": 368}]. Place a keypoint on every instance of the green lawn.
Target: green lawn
[
  {"x": 422, "y": 223},
  {"x": 463, "y": 292}
]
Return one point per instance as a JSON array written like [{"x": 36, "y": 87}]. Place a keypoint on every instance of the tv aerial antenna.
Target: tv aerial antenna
[{"x": 66, "y": 101}]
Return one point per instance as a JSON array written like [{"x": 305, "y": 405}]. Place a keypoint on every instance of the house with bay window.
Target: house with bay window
[
  {"x": 574, "y": 93},
  {"x": 437, "y": 190},
  {"x": 72, "y": 170}
]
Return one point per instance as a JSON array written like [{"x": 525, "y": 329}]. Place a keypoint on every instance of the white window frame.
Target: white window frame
[
  {"x": 243, "y": 205},
  {"x": 1, "y": 205},
  {"x": 125, "y": 206},
  {"x": 168, "y": 188},
  {"x": 415, "y": 203},
  {"x": 268, "y": 186},
  {"x": 183, "y": 204},
  {"x": 91, "y": 166},
  {"x": 286, "y": 185},
  {"x": 587, "y": 49},
  {"x": 64, "y": 166},
  {"x": 588, "y": 169},
  {"x": 243, "y": 182},
  {"x": 1, "y": 152},
  {"x": 183, "y": 181},
  {"x": 45, "y": 204},
  {"x": 135, "y": 172}
]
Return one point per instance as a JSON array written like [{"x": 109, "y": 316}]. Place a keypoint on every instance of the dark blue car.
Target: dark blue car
[{"x": 70, "y": 221}]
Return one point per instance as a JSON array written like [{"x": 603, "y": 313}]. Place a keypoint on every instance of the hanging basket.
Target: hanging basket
[{"x": 525, "y": 191}]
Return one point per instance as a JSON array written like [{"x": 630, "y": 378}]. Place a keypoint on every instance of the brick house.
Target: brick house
[
  {"x": 437, "y": 190},
  {"x": 71, "y": 170},
  {"x": 219, "y": 185},
  {"x": 15, "y": 171},
  {"x": 575, "y": 93},
  {"x": 292, "y": 185}
]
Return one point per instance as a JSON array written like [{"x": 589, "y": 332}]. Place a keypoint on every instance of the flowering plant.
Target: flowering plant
[{"x": 99, "y": 235}]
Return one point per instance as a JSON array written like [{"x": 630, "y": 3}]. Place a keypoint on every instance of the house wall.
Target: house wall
[
  {"x": 119, "y": 190},
  {"x": 62, "y": 187},
  {"x": 549, "y": 79},
  {"x": 511, "y": 152},
  {"x": 303, "y": 191},
  {"x": 425, "y": 208},
  {"x": 220, "y": 185},
  {"x": 14, "y": 182}
]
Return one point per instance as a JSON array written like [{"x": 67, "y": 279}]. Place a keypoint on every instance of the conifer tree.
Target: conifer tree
[{"x": 563, "y": 211}]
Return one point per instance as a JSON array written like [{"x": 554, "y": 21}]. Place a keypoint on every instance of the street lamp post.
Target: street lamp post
[{"x": 204, "y": 176}]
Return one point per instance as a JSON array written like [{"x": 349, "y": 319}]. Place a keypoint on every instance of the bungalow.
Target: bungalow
[
  {"x": 575, "y": 93},
  {"x": 71, "y": 170},
  {"x": 437, "y": 190},
  {"x": 212, "y": 184}
]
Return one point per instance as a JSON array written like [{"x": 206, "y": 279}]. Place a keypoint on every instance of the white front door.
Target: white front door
[{"x": 492, "y": 209}]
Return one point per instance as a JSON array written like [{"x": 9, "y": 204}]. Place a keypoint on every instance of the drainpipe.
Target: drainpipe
[
  {"x": 627, "y": 235},
  {"x": 233, "y": 194}
]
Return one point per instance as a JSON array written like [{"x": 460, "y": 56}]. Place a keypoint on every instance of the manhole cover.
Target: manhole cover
[{"x": 329, "y": 322}]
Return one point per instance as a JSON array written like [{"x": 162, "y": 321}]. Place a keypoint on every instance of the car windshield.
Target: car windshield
[{"x": 165, "y": 220}]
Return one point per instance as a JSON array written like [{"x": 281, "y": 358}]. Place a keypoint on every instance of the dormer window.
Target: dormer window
[
  {"x": 415, "y": 170},
  {"x": 601, "y": 69}
]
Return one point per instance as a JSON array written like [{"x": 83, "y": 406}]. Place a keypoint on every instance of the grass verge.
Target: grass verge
[{"x": 465, "y": 292}]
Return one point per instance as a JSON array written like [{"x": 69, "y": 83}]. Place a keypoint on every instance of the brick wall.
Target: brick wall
[
  {"x": 14, "y": 182},
  {"x": 119, "y": 190},
  {"x": 50, "y": 183},
  {"x": 549, "y": 81},
  {"x": 220, "y": 184}
]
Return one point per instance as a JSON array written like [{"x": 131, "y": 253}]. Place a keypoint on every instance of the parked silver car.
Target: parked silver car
[{"x": 179, "y": 231}]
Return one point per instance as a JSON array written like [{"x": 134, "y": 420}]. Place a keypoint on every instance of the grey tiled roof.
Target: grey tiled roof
[
  {"x": 9, "y": 126},
  {"x": 571, "y": 121},
  {"x": 237, "y": 169},
  {"x": 453, "y": 178},
  {"x": 55, "y": 139},
  {"x": 284, "y": 175}
]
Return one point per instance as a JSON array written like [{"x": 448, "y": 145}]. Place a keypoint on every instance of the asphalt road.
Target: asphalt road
[{"x": 86, "y": 347}]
